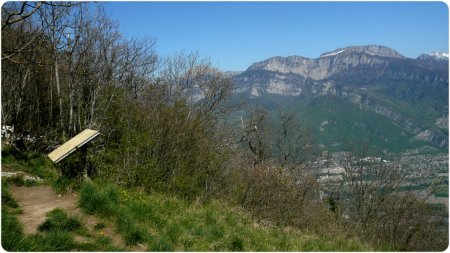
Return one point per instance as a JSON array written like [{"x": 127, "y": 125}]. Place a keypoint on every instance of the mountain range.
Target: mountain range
[{"x": 367, "y": 94}]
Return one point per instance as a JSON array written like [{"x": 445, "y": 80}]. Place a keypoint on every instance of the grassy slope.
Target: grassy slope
[
  {"x": 168, "y": 223},
  {"x": 157, "y": 221}
]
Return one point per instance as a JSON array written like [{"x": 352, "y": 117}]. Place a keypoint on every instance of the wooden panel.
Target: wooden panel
[{"x": 73, "y": 144}]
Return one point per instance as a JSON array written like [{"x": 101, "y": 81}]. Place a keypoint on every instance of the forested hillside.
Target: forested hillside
[{"x": 167, "y": 138}]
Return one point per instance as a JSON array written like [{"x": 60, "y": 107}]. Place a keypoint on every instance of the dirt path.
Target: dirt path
[{"x": 38, "y": 200}]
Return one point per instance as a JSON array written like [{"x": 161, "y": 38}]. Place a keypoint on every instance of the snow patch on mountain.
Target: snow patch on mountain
[
  {"x": 439, "y": 55},
  {"x": 332, "y": 53}
]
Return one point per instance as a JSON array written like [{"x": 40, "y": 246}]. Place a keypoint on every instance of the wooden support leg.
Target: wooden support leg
[{"x": 84, "y": 162}]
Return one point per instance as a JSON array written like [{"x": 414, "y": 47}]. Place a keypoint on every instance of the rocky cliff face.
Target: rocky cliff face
[
  {"x": 330, "y": 63},
  {"x": 374, "y": 50},
  {"x": 365, "y": 63},
  {"x": 258, "y": 82}
]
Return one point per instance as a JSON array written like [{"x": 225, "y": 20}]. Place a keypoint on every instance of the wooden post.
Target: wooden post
[{"x": 84, "y": 161}]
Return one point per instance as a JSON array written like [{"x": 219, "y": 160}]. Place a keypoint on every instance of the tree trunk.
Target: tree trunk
[
  {"x": 58, "y": 93},
  {"x": 71, "y": 116},
  {"x": 50, "y": 121},
  {"x": 22, "y": 87},
  {"x": 84, "y": 158}
]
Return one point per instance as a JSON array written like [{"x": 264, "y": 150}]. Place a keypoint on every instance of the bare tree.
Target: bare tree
[
  {"x": 15, "y": 12},
  {"x": 371, "y": 201},
  {"x": 254, "y": 136},
  {"x": 293, "y": 143}
]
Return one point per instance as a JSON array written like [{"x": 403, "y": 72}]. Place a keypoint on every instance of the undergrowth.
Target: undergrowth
[
  {"x": 31, "y": 163},
  {"x": 35, "y": 164},
  {"x": 164, "y": 223},
  {"x": 158, "y": 221}
]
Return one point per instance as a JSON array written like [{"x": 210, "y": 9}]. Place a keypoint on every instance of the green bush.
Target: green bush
[{"x": 168, "y": 149}]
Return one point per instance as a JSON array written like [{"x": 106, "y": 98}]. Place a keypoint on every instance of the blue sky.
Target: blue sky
[{"x": 236, "y": 34}]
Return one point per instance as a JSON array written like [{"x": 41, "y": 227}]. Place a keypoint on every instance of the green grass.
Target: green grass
[
  {"x": 102, "y": 203},
  {"x": 56, "y": 233},
  {"x": 52, "y": 241},
  {"x": 12, "y": 233},
  {"x": 30, "y": 163},
  {"x": 7, "y": 199},
  {"x": 64, "y": 184},
  {"x": 36, "y": 165},
  {"x": 165, "y": 223},
  {"x": 58, "y": 220}
]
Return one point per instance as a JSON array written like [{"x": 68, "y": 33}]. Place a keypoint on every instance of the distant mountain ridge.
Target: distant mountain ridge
[
  {"x": 382, "y": 51},
  {"x": 411, "y": 94},
  {"x": 337, "y": 61}
]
